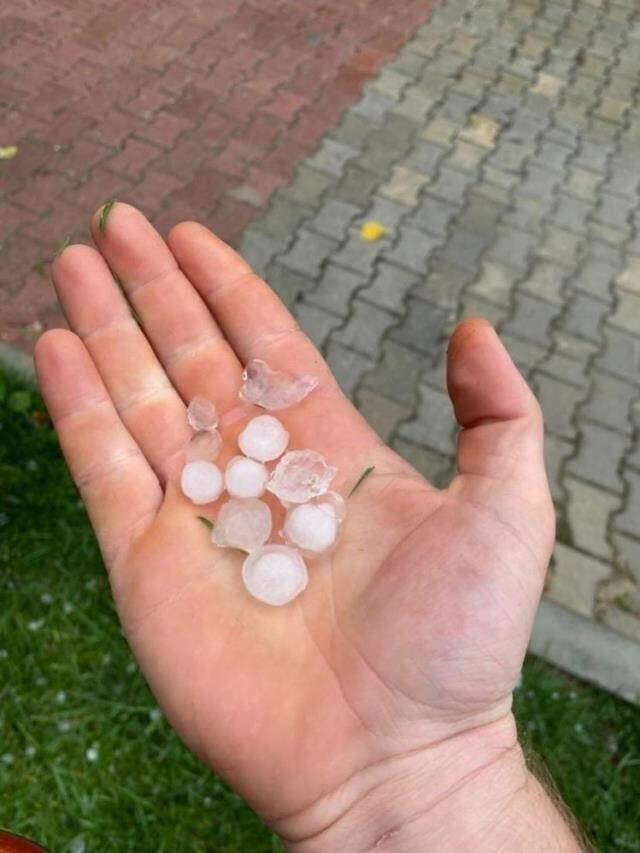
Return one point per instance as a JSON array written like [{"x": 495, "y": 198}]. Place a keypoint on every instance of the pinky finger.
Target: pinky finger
[{"x": 118, "y": 486}]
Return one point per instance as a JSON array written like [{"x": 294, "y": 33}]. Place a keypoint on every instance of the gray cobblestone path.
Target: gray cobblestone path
[{"x": 501, "y": 151}]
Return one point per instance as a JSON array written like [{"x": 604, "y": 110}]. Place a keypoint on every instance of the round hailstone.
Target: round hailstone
[
  {"x": 264, "y": 438},
  {"x": 300, "y": 476},
  {"x": 202, "y": 415},
  {"x": 275, "y": 574},
  {"x": 245, "y": 478},
  {"x": 201, "y": 482},
  {"x": 243, "y": 523},
  {"x": 204, "y": 446},
  {"x": 311, "y": 527},
  {"x": 274, "y": 389}
]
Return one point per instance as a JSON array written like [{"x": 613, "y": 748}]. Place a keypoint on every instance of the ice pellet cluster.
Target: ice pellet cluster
[{"x": 297, "y": 485}]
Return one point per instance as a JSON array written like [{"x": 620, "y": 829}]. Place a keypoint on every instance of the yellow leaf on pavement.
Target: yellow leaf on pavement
[
  {"x": 8, "y": 152},
  {"x": 372, "y": 231}
]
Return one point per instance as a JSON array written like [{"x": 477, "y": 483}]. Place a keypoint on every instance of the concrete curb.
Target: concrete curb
[
  {"x": 587, "y": 649},
  {"x": 17, "y": 361}
]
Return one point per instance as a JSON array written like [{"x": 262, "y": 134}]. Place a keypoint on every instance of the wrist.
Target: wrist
[{"x": 470, "y": 792}]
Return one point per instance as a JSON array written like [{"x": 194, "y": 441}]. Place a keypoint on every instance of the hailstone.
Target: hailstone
[
  {"x": 274, "y": 389},
  {"x": 311, "y": 527},
  {"x": 264, "y": 438},
  {"x": 204, "y": 446},
  {"x": 243, "y": 523},
  {"x": 275, "y": 574},
  {"x": 245, "y": 478},
  {"x": 201, "y": 482},
  {"x": 202, "y": 415},
  {"x": 301, "y": 475}
]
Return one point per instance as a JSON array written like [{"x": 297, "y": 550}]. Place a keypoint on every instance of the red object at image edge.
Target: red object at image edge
[{"x": 10, "y": 843}]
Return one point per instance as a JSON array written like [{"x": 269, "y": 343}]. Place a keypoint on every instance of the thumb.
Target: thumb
[{"x": 500, "y": 447}]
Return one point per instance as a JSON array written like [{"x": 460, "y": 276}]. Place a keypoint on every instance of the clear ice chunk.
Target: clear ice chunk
[
  {"x": 202, "y": 415},
  {"x": 204, "y": 446},
  {"x": 311, "y": 527},
  {"x": 245, "y": 478},
  {"x": 300, "y": 476},
  {"x": 243, "y": 523},
  {"x": 275, "y": 574},
  {"x": 264, "y": 438},
  {"x": 201, "y": 482},
  {"x": 274, "y": 389}
]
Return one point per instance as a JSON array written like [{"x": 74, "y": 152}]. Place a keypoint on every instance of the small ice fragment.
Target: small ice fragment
[
  {"x": 301, "y": 475},
  {"x": 264, "y": 438},
  {"x": 201, "y": 482},
  {"x": 311, "y": 527},
  {"x": 243, "y": 523},
  {"x": 275, "y": 574},
  {"x": 274, "y": 389},
  {"x": 245, "y": 478},
  {"x": 202, "y": 415},
  {"x": 333, "y": 502},
  {"x": 204, "y": 446}
]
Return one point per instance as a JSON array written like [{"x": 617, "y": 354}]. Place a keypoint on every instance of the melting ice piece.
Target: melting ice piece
[
  {"x": 202, "y": 415},
  {"x": 301, "y": 475},
  {"x": 274, "y": 389},
  {"x": 333, "y": 502},
  {"x": 311, "y": 527},
  {"x": 204, "y": 446},
  {"x": 243, "y": 523},
  {"x": 245, "y": 478},
  {"x": 264, "y": 438},
  {"x": 275, "y": 574},
  {"x": 201, "y": 482}
]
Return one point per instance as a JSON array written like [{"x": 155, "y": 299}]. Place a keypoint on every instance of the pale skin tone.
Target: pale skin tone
[{"x": 375, "y": 709}]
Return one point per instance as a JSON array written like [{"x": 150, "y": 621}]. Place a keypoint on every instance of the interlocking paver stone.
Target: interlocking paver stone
[
  {"x": 422, "y": 328},
  {"x": 629, "y": 519},
  {"x": 308, "y": 253},
  {"x": 559, "y": 401},
  {"x": 443, "y": 284},
  {"x": 599, "y": 452},
  {"x": 390, "y": 286},
  {"x": 583, "y": 317},
  {"x": 404, "y": 185},
  {"x": 589, "y": 509},
  {"x": 413, "y": 249},
  {"x": 334, "y": 218},
  {"x": 531, "y": 318},
  {"x": 574, "y": 579},
  {"x": 383, "y": 414},
  {"x": 347, "y": 365},
  {"x": 608, "y": 403},
  {"x": 397, "y": 375},
  {"x": 434, "y": 425},
  {"x": 366, "y": 328}
]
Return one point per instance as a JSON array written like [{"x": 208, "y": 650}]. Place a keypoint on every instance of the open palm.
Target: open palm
[{"x": 411, "y": 632}]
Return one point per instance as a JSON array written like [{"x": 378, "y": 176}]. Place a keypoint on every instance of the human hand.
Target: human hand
[{"x": 396, "y": 665}]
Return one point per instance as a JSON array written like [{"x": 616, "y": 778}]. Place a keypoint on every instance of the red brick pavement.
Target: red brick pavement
[{"x": 187, "y": 108}]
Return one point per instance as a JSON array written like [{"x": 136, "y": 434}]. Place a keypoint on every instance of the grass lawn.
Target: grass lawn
[{"x": 87, "y": 763}]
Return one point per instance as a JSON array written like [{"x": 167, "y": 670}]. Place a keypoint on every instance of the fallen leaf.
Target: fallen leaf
[{"x": 372, "y": 231}]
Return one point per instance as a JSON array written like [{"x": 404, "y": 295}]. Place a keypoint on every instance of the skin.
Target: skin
[{"x": 404, "y": 650}]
